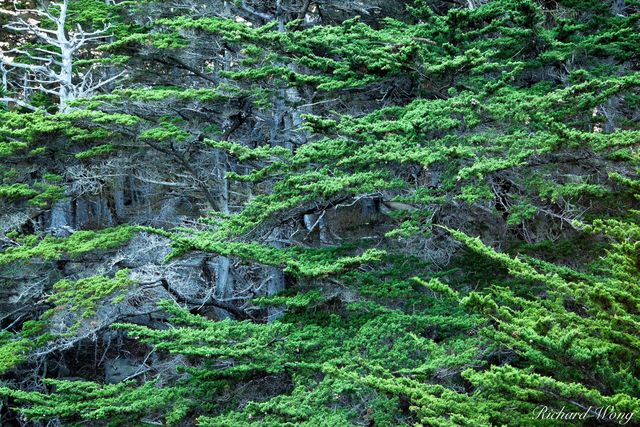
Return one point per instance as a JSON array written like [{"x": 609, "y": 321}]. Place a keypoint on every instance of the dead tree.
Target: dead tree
[{"x": 50, "y": 70}]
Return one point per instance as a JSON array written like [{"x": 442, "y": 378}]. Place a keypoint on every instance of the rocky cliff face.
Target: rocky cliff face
[{"x": 318, "y": 212}]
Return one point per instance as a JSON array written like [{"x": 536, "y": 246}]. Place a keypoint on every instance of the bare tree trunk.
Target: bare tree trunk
[
  {"x": 118, "y": 196},
  {"x": 276, "y": 281},
  {"x": 224, "y": 285},
  {"x": 224, "y": 282},
  {"x": 278, "y": 137},
  {"x": 66, "y": 69}
]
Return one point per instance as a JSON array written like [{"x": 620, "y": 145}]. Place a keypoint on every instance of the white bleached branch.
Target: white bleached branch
[{"x": 51, "y": 70}]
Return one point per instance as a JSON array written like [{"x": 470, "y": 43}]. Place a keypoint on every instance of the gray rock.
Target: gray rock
[{"x": 117, "y": 370}]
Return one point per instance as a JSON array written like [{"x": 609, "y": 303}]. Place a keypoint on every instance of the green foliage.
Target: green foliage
[
  {"x": 79, "y": 243},
  {"x": 121, "y": 403},
  {"x": 83, "y": 296},
  {"x": 166, "y": 94},
  {"x": 514, "y": 121},
  {"x": 297, "y": 301},
  {"x": 17, "y": 191},
  {"x": 47, "y": 194},
  {"x": 297, "y": 261},
  {"x": 166, "y": 132},
  {"x": 99, "y": 150},
  {"x": 13, "y": 350}
]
